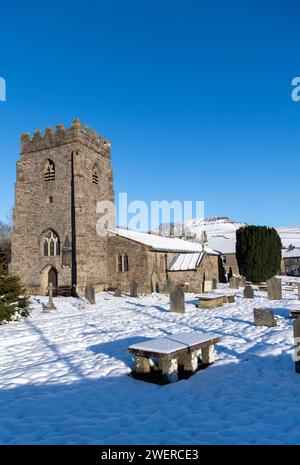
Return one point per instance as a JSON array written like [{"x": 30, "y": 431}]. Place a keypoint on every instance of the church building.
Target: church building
[{"x": 61, "y": 177}]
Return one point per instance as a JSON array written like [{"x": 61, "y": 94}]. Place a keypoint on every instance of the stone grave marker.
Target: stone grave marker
[
  {"x": 296, "y": 328},
  {"x": 50, "y": 305},
  {"x": 118, "y": 291},
  {"x": 90, "y": 294},
  {"x": 274, "y": 289},
  {"x": 264, "y": 317},
  {"x": 208, "y": 286},
  {"x": 248, "y": 292},
  {"x": 177, "y": 299},
  {"x": 234, "y": 282},
  {"x": 133, "y": 289}
]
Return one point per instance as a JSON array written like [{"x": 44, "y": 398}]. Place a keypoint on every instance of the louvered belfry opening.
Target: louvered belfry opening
[
  {"x": 95, "y": 177},
  {"x": 49, "y": 173}
]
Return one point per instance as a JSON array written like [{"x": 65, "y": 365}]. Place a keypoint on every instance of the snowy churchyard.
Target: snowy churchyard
[{"x": 64, "y": 374}]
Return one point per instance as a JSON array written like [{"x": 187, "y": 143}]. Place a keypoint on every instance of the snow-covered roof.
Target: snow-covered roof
[
  {"x": 294, "y": 253},
  {"x": 185, "y": 261},
  {"x": 160, "y": 243},
  {"x": 222, "y": 243}
]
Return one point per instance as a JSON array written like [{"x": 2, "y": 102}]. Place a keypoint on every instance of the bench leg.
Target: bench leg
[
  {"x": 190, "y": 361},
  {"x": 208, "y": 354},
  {"x": 142, "y": 364},
  {"x": 169, "y": 369}
]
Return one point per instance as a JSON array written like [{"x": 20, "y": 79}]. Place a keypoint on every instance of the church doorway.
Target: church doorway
[
  {"x": 48, "y": 275},
  {"x": 52, "y": 277}
]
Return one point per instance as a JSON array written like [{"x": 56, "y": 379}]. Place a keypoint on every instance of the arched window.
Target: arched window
[
  {"x": 51, "y": 246},
  {"x": 95, "y": 176},
  {"x": 120, "y": 263},
  {"x": 126, "y": 263},
  {"x": 49, "y": 172}
]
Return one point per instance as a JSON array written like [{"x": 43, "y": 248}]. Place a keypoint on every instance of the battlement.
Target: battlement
[{"x": 61, "y": 136}]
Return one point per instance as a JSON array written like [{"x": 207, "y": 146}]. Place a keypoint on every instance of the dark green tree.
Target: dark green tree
[
  {"x": 5, "y": 243},
  {"x": 13, "y": 299},
  {"x": 258, "y": 252}
]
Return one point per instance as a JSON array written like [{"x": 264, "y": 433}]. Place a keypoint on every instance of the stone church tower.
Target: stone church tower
[{"x": 61, "y": 177}]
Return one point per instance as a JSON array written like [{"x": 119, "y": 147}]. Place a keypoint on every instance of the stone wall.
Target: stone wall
[
  {"x": 145, "y": 266},
  {"x": 207, "y": 270},
  {"x": 231, "y": 262}
]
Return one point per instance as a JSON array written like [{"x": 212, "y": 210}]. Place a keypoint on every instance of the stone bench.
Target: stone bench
[
  {"x": 180, "y": 349},
  {"x": 294, "y": 312},
  {"x": 214, "y": 300}
]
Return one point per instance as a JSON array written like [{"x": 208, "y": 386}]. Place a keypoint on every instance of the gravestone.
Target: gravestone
[
  {"x": 90, "y": 294},
  {"x": 264, "y": 317},
  {"x": 248, "y": 292},
  {"x": 118, "y": 291},
  {"x": 214, "y": 283},
  {"x": 274, "y": 289},
  {"x": 296, "y": 328},
  {"x": 133, "y": 289},
  {"x": 234, "y": 282},
  {"x": 208, "y": 286},
  {"x": 177, "y": 300},
  {"x": 50, "y": 305},
  {"x": 298, "y": 291}
]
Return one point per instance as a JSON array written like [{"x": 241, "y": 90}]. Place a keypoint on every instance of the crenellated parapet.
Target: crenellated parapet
[{"x": 61, "y": 136}]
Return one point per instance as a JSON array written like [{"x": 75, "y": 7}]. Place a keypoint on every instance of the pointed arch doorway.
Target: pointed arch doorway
[{"x": 52, "y": 277}]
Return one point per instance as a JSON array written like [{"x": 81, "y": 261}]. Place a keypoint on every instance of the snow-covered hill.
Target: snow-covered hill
[
  {"x": 290, "y": 235},
  {"x": 221, "y": 231}
]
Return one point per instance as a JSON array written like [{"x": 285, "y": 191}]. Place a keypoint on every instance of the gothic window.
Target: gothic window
[
  {"x": 120, "y": 263},
  {"x": 51, "y": 246},
  {"x": 49, "y": 173},
  {"x": 95, "y": 176},
  {"x": 126, "y": 263}
]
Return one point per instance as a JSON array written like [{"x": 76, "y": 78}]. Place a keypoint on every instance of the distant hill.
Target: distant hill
[{"x": 220, "y": 232}]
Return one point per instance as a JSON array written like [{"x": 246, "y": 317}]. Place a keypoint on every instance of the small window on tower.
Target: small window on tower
[
  {"x": 49, "y": 173},
  {"x": 95, "y": 177},
  {"x": 50, "y": 199}
]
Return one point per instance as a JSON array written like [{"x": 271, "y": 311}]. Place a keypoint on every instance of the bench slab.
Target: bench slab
[{"x": 172, "y": 346}]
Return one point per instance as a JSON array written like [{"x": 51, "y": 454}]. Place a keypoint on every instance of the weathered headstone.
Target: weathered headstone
[
  {"x": 274, "y": 289},
  {"x": 248, "y": 292},
  {"x": 50, "y": 305},
  {"x": 118, "y": 291},
  {"x": 208, "y": 286},
  {"x": 234, "y": 282},
  {"x": 214, "y": 283},
  {"x": 264, "y": 317},
  {"x": 133, "y": 289},
  {"x": 296, "y": 328},
  {"x": 90, "y": 294},
  {"x": 177, "y": 300}
]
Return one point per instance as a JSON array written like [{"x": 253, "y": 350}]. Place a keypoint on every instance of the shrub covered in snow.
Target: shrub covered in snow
[{"x": 14, "y": 302}]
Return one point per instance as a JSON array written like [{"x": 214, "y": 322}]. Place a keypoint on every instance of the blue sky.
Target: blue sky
[{"x": 195, "y": 96}]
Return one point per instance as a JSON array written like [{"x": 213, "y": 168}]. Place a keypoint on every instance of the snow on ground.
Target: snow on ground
[{"x": 63, "y": 376}]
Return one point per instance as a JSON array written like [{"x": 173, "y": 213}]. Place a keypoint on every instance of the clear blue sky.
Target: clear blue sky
[{"x": 195, "y": 96}]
